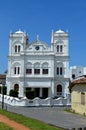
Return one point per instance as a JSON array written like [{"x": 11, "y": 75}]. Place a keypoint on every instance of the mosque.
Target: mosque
[{"x": 38, "y": 66}]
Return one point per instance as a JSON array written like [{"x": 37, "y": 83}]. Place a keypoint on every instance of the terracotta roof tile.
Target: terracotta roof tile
[
  {"x": 78, "y": 81},
  {"x": 81, "y": 80},
  {"x": 2, "y": 76}
]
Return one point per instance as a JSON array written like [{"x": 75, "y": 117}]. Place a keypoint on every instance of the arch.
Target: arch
[
  {"x": 60, "y": 69},
  {"x": 16, "y": 68},
  {"x": 14, "y": 64},
  {"x": 59, "y": 64},
  {"x": 45, "y": 69},
  {"x": 37, "y": 65},
  {"x": 59, "y": 89},
  {"x": 59, "y": 45},
  {"x": 60, "y": 42},
  {"x": 45, "y": 65},
  {"x": 28, "y": 65},
  {"x": 16, "y": 46},
  {"x": 17, "y": 42},
  {"x": 16, "y": 87},
  {"x": 28, "y": 68},
  {"x": 37, "y": 68}
]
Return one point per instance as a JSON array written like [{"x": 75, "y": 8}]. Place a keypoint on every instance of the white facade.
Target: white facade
[{"x": 37, "y": 66}]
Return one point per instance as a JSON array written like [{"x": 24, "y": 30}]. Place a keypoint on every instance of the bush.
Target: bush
[
  {"x": 0, "y": 90},
  {"x": 4, "y": 90},
  {"x": 13, "y": 93},
  {"x": 30, "y": 94}
]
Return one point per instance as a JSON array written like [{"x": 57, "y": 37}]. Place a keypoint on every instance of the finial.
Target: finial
[
  {"x": 52, "y": 31},
  {"x": 52, "y": 36},
  {"x": 37, "y": 37},
  {"x": 59, "y": 29}
]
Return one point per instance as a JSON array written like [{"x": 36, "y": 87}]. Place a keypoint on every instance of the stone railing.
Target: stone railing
[{"x": 36, "y": 101}]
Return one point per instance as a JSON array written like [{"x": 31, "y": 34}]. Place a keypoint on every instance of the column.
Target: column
[{"x": 40, "y": 92}]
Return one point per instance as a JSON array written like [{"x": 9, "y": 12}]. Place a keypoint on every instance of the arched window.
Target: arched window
[
  {"x": 37, "y": 68},
  {"x": 59, "y": 48},
  {"x": 60, "y": 69},
  {"x": 17, "y": 48},
  {"x": 16, "y": 87},
  {"x": 59, "y": 89},
  {"x": 45, "y": 68},
  {"x": 16, "y": 68},
  {"x": 28, "y": 68},
  {"x": 37, "y": 65}
]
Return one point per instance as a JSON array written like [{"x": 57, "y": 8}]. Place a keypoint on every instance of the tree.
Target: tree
[
  {"x": 30, "y": 94},
  {"x": 4, "y": 90},
  {"x": 13, "y": 93}
]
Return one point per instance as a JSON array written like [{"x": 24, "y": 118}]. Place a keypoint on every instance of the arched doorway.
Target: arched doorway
[
  {"x": 59, "y": 90},
  {"x": 16, "y": 87}
]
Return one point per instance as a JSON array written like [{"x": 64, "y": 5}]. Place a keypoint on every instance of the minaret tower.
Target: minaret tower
[{"x": 60, "y": 45}]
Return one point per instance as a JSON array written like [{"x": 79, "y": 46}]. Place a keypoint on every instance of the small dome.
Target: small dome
[
  {"x": 19, "y": 31},
  {"x": 59, "y": 31}
]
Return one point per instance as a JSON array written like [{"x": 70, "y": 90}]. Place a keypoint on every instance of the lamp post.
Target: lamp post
[{"x": 3, "y": 95}]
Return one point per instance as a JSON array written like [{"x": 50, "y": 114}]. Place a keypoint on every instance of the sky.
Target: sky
[{"x": 39, "y": 17}]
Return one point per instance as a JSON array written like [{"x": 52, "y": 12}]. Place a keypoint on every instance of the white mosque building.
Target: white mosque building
[{"x": 38, "y": 66}]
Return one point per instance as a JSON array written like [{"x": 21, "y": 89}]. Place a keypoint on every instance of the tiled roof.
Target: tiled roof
[
  {"x": 78, "y": 81},
  {"x": 2, "y": 76}
]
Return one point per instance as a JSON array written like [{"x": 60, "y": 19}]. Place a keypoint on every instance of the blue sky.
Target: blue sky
[{"x": 40, "y": 17}]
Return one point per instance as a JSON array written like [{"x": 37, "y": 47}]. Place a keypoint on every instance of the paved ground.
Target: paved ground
[{"x": 52, "y": 115}]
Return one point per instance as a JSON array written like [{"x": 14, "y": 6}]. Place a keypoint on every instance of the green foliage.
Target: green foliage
[
  {"x": 5, "y": 127},
  {"x": 13, "y": 93},
  {"x": 0, "y": 90},
  {"x": 29, "y": 122},
  {"x": 4, "y": 90},
  {"x": 30, "y": 94}
]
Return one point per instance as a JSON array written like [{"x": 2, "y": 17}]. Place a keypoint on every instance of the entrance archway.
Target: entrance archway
[
  {"x": 59, "y": 90},
  {"x": 16, "y": 87}
]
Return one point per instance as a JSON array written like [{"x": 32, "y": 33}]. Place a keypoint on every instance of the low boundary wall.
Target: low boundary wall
[{"x": 36, "y": 101}]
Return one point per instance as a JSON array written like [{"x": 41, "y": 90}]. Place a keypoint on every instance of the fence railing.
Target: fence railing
[{"x": 36, "y": 101}]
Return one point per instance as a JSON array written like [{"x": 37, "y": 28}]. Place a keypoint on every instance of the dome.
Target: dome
[
  {"x": 19, "y": 31},
  {"x": 59, "y": 31}
]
